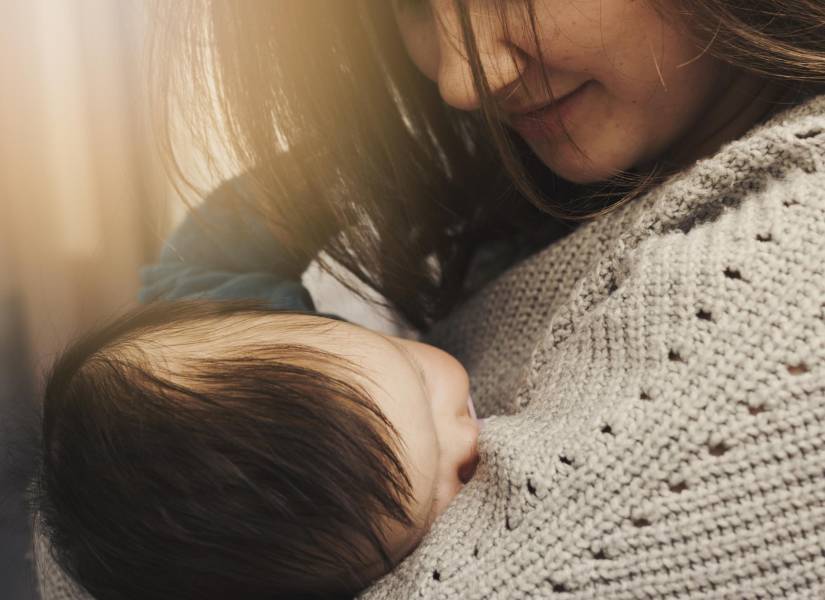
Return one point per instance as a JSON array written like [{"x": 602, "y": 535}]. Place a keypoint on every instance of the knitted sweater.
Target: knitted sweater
[
  {"x": 656, "y": 382},
  {"x": 655, "y": 391}
]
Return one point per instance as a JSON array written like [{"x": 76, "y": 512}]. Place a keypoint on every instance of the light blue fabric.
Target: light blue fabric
[{"x": 221, "y": 252}]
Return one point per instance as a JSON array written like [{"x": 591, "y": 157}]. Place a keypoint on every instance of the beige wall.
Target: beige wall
[{"x": 82, "y": 201}]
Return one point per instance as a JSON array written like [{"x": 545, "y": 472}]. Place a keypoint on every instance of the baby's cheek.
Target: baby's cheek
[{"x": 413, "y": 543}]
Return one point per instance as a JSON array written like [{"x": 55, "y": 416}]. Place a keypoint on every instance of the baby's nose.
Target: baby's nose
[{"x": 468, "y": 469}]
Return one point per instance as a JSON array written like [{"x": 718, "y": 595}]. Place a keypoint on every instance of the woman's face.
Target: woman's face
[{"x": 647, "y": 87}]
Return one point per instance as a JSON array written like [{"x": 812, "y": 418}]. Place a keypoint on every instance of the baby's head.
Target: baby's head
[{"x": 219, "y": 450}]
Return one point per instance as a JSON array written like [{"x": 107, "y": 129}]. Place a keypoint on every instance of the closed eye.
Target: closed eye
[{"x": 422, "y": 376}]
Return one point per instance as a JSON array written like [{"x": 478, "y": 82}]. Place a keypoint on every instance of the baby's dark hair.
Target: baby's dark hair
[{"x": 250, "y": 475}]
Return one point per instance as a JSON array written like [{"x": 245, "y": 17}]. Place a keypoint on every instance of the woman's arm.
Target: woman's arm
[{"x": 222, "y": 252}]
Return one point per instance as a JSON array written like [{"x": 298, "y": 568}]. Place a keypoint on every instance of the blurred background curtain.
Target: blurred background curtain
[
  {"x": 83, "y": 203},
  {"x": 83, "y": 199}
]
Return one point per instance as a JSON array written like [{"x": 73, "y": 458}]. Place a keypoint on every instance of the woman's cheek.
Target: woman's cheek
[{"x": 419, "y": 38}]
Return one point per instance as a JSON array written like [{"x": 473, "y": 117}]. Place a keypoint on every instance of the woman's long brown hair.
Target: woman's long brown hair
[{"x": 352, "y": 151}]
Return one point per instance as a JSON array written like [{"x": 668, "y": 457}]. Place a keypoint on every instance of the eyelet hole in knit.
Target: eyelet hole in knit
[
  {"x": 674, "y": 356},
  {"x": 644, "y": 396},
  {"x": 678, "y": 488},
  {"x": 559, "y": 587},
  {"x": 607, "y": 429},
  {"x": 797, "y": 369},
  {"x": 764, "y": 237},
  {"x": 531, "y": 488},
  {"x": 611, "y": 286},
  {"x": 804, "y": 135},
  {"x": 718, "y": 449},
  {"x": 704, "y": 315},
  {"x": 565, "y": 460},
  {"x": 436, "y": 575},
  {"x": 641, "y": 522},
  {"x": 475, "y": 551},
  {"x": 731, "y": 273},
  {"x": 600, "y": 555},
  {"x": 755, "y": 410}
]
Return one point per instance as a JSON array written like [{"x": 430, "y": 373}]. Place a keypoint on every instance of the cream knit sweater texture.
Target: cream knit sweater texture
[
  {"x": 655, "y": 387},
  {"x": 655, "y": 391}
]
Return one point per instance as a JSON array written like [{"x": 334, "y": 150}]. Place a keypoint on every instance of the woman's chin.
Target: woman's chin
[{"x": 569, "y": 164}]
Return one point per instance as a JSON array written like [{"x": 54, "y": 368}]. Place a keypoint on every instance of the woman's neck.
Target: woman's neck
[{"x": 743, "y": 103}]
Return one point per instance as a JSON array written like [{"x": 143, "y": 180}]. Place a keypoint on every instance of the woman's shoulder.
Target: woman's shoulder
[
  {"x": 786, "y": 153},
  {"x": 761, "y": 196},
  {"x": 740, "y": 231},
  {"x": 738, "y": 234}
]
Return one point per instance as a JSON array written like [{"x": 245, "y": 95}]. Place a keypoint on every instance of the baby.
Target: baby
[{"x": 220, "y": 449}]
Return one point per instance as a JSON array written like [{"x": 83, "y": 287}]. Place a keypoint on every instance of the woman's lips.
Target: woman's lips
[{"x": 545, "y": 122}]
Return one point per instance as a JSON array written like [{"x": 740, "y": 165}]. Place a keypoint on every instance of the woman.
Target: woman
[{"x": 655, "y": 375}]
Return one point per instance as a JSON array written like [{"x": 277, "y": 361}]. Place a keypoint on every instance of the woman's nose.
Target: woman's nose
[{"x": 500, "y": 60}]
